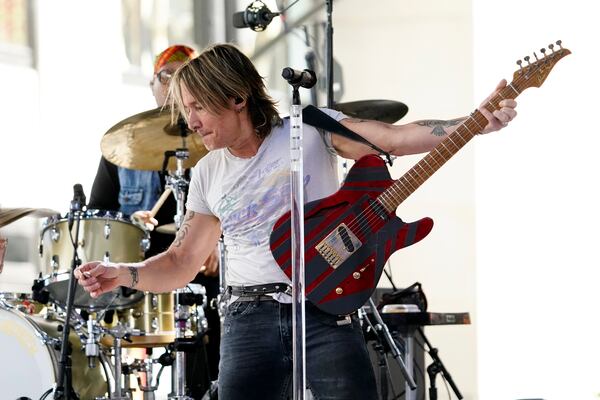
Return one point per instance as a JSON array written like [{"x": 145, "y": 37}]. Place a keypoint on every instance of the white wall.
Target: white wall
[
  {"x": 537, "y": 208},
  {"x": 420, "y": 53}
]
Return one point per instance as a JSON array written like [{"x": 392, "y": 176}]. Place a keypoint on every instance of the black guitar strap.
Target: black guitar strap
[{"x": 311, "y": 115}]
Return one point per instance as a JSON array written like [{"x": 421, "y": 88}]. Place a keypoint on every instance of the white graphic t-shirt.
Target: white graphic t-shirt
[{"x": 248, "y": 195}]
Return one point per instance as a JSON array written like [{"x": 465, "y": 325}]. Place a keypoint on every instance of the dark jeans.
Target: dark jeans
[{"x": 256, "y": 354}]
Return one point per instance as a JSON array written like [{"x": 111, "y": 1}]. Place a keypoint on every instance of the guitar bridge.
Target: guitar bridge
[{"x": 338, "y": 245}]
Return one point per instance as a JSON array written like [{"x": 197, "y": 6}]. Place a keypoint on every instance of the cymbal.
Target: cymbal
[
  {"x": 140, "y": 142},
  {"x": 8, "y": 215},
  {"x": 381, "y": 110},
  {"x": 167, "y": 228}
]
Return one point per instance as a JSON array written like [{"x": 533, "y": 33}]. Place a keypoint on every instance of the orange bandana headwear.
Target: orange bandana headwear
[{"x": 174, "y": 53}]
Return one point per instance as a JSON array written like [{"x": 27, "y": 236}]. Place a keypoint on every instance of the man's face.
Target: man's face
[
  {"x": 160, "y": 81},
  {"x": 217, "y": 130}
]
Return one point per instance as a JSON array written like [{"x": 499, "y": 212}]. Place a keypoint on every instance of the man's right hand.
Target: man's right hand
[{"x": 97, "y": 277}]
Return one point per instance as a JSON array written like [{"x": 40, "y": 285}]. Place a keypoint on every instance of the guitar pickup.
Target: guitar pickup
[{"x": 338, "y": 245}]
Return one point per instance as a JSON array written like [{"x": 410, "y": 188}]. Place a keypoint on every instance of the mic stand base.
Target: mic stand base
[{"x": 437, "y": 367}]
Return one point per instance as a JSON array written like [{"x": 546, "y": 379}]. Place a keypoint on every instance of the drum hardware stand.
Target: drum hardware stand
[
  {"x": 146, "y": 366},
  {"x": 64, "y": 386},
  {"x": 127, "y": 390},
  {"x": 178, "y": 183},
  {"x": 92, "y": 350},
  {"x": 437, "y": 366},
  {"x": 120, "y": 333},
  {"x": 182, "y": 314}
]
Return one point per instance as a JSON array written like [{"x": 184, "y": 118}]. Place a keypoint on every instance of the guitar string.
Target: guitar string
[{"x": 366, "y": 217}]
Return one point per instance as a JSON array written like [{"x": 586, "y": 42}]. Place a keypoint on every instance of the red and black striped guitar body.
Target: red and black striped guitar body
[
  {"x": 348, "y": 238},
  {"x": 350, "y": 235}
]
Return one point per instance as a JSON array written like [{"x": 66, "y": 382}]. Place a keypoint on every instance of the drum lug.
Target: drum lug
[
  {"x": 54, "y": 234},
  {"x": 106, "y": 230},
  {"x": 145, "y": 244},
  {"x": 54, "y": 264}
]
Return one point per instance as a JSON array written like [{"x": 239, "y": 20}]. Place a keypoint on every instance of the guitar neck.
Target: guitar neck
[{"x": 418, "y": 174}]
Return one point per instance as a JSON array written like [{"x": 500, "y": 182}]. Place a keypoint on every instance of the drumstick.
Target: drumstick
[{"x": 161, "y": 200}]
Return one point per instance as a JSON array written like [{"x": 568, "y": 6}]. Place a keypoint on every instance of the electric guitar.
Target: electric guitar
[{"x": 350, "y": 235}]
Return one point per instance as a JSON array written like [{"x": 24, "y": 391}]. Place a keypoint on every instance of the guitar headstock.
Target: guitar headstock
[{"x": 535, "y": 73}]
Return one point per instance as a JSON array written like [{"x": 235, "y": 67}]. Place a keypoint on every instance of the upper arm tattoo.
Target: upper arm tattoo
[
  {"x": 183, "y": 229},
  {"x": 438, "y": 125}
]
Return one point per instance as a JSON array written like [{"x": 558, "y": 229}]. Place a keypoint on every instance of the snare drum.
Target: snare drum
[
  {"x": 27, "y": 346},
  {"x": 104, "y": 236}
]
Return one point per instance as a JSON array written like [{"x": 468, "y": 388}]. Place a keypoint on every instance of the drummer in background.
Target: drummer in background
[{"x": 134, "y": 192}]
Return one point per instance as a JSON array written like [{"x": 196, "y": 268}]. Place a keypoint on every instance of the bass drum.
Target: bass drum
[
  {"x": 32, "y": 362},
  {"x": 103, "y": 236}
]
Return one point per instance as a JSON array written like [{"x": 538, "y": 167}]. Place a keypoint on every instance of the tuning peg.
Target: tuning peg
[
  {"x": 551, "y": 47},
  {"x": 543, "y": 50},
  {"x": 519, "y": 62},
  {"x": 559, "y": 43},
  {"x": 527, "y": 59},
  {"x": 536, "y": 57}
]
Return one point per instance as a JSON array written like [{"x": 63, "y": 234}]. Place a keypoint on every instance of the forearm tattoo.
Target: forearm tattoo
[
  {"x": 135, "y": 277},
  {"x": 438, "y": 125},
  {"x": 184, "y": 229}
]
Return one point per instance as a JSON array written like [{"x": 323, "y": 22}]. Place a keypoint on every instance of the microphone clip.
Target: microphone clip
[{"x": 256, "y": 16}]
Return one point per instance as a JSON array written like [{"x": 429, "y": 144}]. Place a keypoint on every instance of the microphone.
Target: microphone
[
  {"x": 306, "y": 78},
  {"x": 256, "y": 17},
  {"x": 77, "y": 203},
  {"x": 79, "y": 196}
]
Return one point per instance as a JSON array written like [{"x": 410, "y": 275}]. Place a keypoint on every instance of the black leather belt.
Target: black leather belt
[
  {"x": 259, "y": 290},
  {"x": 260, "y": 297}
]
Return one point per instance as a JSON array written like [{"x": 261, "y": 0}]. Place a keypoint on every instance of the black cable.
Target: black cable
[
  {"x": 104, "y": 367},
  {"x": 46, "y": 394},
  {"x": 447, "y": 388}
]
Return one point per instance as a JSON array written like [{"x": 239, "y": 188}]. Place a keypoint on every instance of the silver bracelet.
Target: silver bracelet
[{"x": 135, "y": 278}]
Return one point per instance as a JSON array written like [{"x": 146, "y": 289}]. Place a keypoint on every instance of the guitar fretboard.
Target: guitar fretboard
[{"x": 428, "y": 165}]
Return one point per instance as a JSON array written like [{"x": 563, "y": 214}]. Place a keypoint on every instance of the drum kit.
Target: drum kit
[
  {"x": 105, "y": 332},
  {"x": 111, "y": 338}
]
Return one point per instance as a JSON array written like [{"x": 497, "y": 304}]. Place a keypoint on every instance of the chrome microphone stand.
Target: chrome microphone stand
[
  {"x": 297, "y": 230},
  {"x": 179, "y": 185}
]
